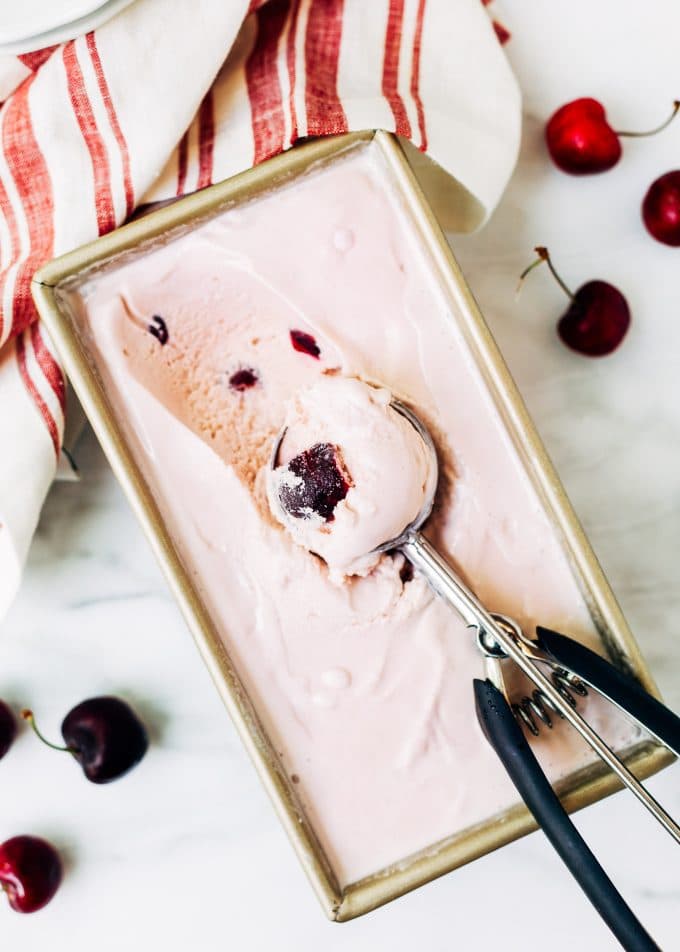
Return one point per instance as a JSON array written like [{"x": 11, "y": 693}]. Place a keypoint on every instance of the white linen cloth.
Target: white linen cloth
[{"x": 169, "y": 97}]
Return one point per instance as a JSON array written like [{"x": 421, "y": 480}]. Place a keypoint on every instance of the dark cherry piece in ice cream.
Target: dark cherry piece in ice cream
[
  {"x": 159, "y": 329},
  {"x": 104, "y": 735},
  {"x": 406, "y": 572},
  {"x": 305, "y": 343},
  {"x": 243, "y": 379},
  {"x": 8, "y": 729},
  {"x": 30, "y": 872},
  {"x": 323, "y": 482}
]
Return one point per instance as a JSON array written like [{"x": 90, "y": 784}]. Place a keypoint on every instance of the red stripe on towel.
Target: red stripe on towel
[
  {"x": 325, "y": 115},
  {"x": 42, "y": 407},
  {"x": 115, "y": 124},
  {"x": 182, "y": 159},
  {"x": 501, "y": 32},
  {"x": 262, "y": 80},
  {"x": 82, "y": 109},
  {"x": 291, "y": 40},
  {"x": 390, "y": 76},
  {"x": 48, "y": 365},
  {"x": 27, "y": 166},
  {"x": 206, "y": 140},
  {"x": 35, "y": 59},
  {"x": 415, "y": 75},
  {"x": 28, "y": 169},
  {"x": 10, "y": 219}
]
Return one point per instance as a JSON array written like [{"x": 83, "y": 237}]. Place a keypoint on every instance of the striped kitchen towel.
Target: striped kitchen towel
[{"x": 169, "y": 97}]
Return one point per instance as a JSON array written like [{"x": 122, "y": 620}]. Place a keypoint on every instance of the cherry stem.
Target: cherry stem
[
  {"x": 543, "y": 255},
  {"x": 28, "y": 716},
  {"x": 653, "y": 132}
]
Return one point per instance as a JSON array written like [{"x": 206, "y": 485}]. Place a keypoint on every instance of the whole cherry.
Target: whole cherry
[
  {"x": 8, "y": 729},
  {"x": 597, "y": 318},
  {"x": 581, "y": 141},
  {"x": 103, "y": 734},
  {"x": 661, "y": 209},
  {"x": 30, "y": 872}
]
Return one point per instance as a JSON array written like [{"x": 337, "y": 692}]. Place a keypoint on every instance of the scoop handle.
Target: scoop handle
[
  {"x": 447, "y": 583},
  {"x": 618, "y": 687},
  {"x": 507, "y": 739}
]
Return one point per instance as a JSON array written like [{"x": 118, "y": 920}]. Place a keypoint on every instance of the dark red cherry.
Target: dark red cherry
[
  {"x": 596, "y": 321},
  {"x": 8, "y": 729},
  {"x": 30, "y": 872},
  {"x": 104, "y": 735},
  {"x": 581, "y": 141},
  {"x": 305, "y": 343},
  {"x": 597, "y": 318},
  {"x": 661, "y": 209},
  {"x": 323, "y": 482},
  {"x": 502, "y": 33}
]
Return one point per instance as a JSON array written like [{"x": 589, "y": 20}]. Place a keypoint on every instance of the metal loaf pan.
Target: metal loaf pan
[{"x": 584, "y": 787}]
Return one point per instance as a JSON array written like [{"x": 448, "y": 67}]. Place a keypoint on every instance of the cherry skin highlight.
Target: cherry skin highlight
[
  {"x": 8, "y": 729},
  {"x": 30, "y": 872},
  {"x": 661, "y": 209},
  {"x": 581, "y": 141}
]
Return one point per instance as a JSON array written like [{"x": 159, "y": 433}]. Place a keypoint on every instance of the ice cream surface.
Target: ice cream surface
[
  {"x": 352, "y": 473},
  {"x": 364, "y": 687}
]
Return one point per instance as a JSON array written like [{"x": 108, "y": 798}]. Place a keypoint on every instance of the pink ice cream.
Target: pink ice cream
[
  {"x": 364, "y": 685},
  {"x": 352, "y": 473}
]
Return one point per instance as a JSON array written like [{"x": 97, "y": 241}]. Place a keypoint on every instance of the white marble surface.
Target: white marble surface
[{"x": 186, "y": 852}]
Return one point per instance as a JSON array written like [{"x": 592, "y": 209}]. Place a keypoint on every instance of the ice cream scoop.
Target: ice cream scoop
[
  {"x": 497, "y": 636},
  {"x": 350, "y": 471}
]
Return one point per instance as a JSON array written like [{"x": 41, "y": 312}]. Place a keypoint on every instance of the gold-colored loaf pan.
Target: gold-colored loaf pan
[{"x": 578, "y": 790}]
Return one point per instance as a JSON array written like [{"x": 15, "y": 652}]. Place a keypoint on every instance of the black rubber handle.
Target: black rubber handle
[
  {"x": 507, "y": 739},
  {"x": 620, "y": 687}
]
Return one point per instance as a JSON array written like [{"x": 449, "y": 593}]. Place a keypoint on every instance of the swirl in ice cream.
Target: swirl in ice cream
[{"x": 352, "y": 473}]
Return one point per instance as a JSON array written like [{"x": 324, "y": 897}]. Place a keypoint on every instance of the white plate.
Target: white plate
[{"x": 33, "y": 24}]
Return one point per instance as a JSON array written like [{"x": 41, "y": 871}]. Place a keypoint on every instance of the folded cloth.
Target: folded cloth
[{"x": 168, "y": 98}]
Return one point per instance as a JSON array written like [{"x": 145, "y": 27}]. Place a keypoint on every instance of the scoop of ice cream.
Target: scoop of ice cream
[{"x": 352, "y": 473}]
